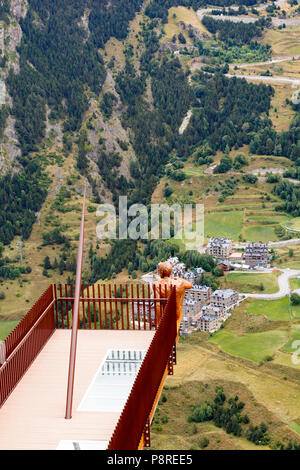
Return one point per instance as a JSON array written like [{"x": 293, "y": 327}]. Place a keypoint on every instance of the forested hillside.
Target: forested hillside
[
  {"x": 239, "y": 32},
  {"x": 59, "y": 58},
  {"x": 229, "y": 111},
  {"x": 102, "y": 90},
  {"x": 168, "y": 102}
]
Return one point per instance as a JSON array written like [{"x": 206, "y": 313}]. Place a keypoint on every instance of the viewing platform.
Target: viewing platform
[
  {"x": 124, "y": 353},
  {"x": 33, "y": 415}
]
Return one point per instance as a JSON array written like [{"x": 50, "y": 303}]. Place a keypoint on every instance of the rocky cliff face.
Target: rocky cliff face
[{"x": 10, "y": 38}]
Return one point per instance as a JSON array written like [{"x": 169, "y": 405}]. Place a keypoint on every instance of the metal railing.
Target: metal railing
[
  {"x": 25, "y": 342},
  {"x": 110, "y": 306},
  {"x": 28, "y": 321},
  {"x": 137, "y": 411},
  {"x": 101, "y": 307}
]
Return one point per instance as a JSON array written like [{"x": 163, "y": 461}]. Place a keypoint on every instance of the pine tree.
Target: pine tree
[{"x": 47, "y": 263}]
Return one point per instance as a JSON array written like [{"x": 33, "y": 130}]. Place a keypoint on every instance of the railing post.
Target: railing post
[
  {"x": 146, "y": 434},
  {"x": 55, "y": 305},
  {"x": 73, "y": 346},
  {"x": 174, "y": 355},
  {"x": 170, "y": 364}
]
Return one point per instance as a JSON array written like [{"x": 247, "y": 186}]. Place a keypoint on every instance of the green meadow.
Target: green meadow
[
  {"x": 223, "y": 224},
  {"x": 291, "y": 346},
  {"x": 6, "y": 327},
  {"x": 253, "y": 346},
  {"x": 275, "y": 310},
  {"x": 260, "y": 233},
  {"x": 251, "y": 283}
]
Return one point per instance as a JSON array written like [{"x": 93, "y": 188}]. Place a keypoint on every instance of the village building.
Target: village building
[
  {"x": 193, "y": 274},
  {"x": 257, "y": 254},
  {"x": 236, "y": 257},
  {"x": 225, "y": 299},
  {"x": 220, "y": 248},
  {"x": 190, "y": 307},
  {"x": 199, "y": 293},
  {"x": 224, "y": 265},
  {"x": 179, "y": 270},
  {"x": 210, "y": 310},
  {"x": 209, "y": 323},
  {"x": 185, "y": 326}
]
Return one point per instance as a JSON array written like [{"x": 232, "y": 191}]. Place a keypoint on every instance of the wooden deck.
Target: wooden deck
[{"x": 33, "y": 415}]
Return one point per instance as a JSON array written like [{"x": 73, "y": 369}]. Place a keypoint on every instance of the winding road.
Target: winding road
[
  {"x": 283, "y": 284},
  {"x": 276, "y": 60},
  {"x": 263, "y": 78},
  {"x": 246, "y": 18}
]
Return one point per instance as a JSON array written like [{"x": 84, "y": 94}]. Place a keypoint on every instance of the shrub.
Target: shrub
[
  {"x": 168, "y": 191},
  {"x": 258, "y": 434},
  {"x": 204, "y": 442},
  {"x": 201, "y": 413},
  {"x": 252, "y": 179},
  {"x": 295, "y": 299},
  {"x": 225, "y": 165}
]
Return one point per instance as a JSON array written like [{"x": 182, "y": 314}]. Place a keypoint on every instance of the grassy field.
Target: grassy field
[
  {"x": 295, "y": 426},
  {"x": 294, "y": 336},
  {"x": 266, "y": 343},
  {"x": 6, "y": 327},
  {"x": 250, "y": 283},
  {"x": 201, "y": 366},
  {"x": 267, "y": 161},
  {"x": 275, "y": 310},
  {"x": 249, "y": 214},
  {"x": 286, "y": 68},
  {"x": 260, "y": 233},
  {"x": 295, "y": 283},
  {"x": 285, "y": 359},
  {"x": 284, "y": 260},
  {"x": 223, "y": 224},
  {"x": 285, "y": 41},
  {"x": 281, "y": 113},
  {"x": 186, "y": 15},
  {"x": 171, "y": 429},
  {"x": 294, "y": 223}
]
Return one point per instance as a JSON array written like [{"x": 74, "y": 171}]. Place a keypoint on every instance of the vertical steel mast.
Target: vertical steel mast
[{"x": 73, "y": 346}]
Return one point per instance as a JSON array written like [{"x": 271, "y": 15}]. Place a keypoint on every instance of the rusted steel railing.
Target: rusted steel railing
[
  {"x": 73, "y": 346},
  {"x": 112, "y": 306},
  {"x": 28, "y": 321},
  {"x": 137, "y": 411},
  {"x": 25, "y": 342},
  {"x": 55, "y": 308}
]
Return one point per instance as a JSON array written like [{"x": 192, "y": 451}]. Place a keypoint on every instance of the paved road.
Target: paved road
[
  {"x": 276, "y": 60},
  {"x": 293, "y": 81},
  {"x": 281, "y": 244},
  {"x": 246, "y": 18},
  {"x": 283, "y": 284}
]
